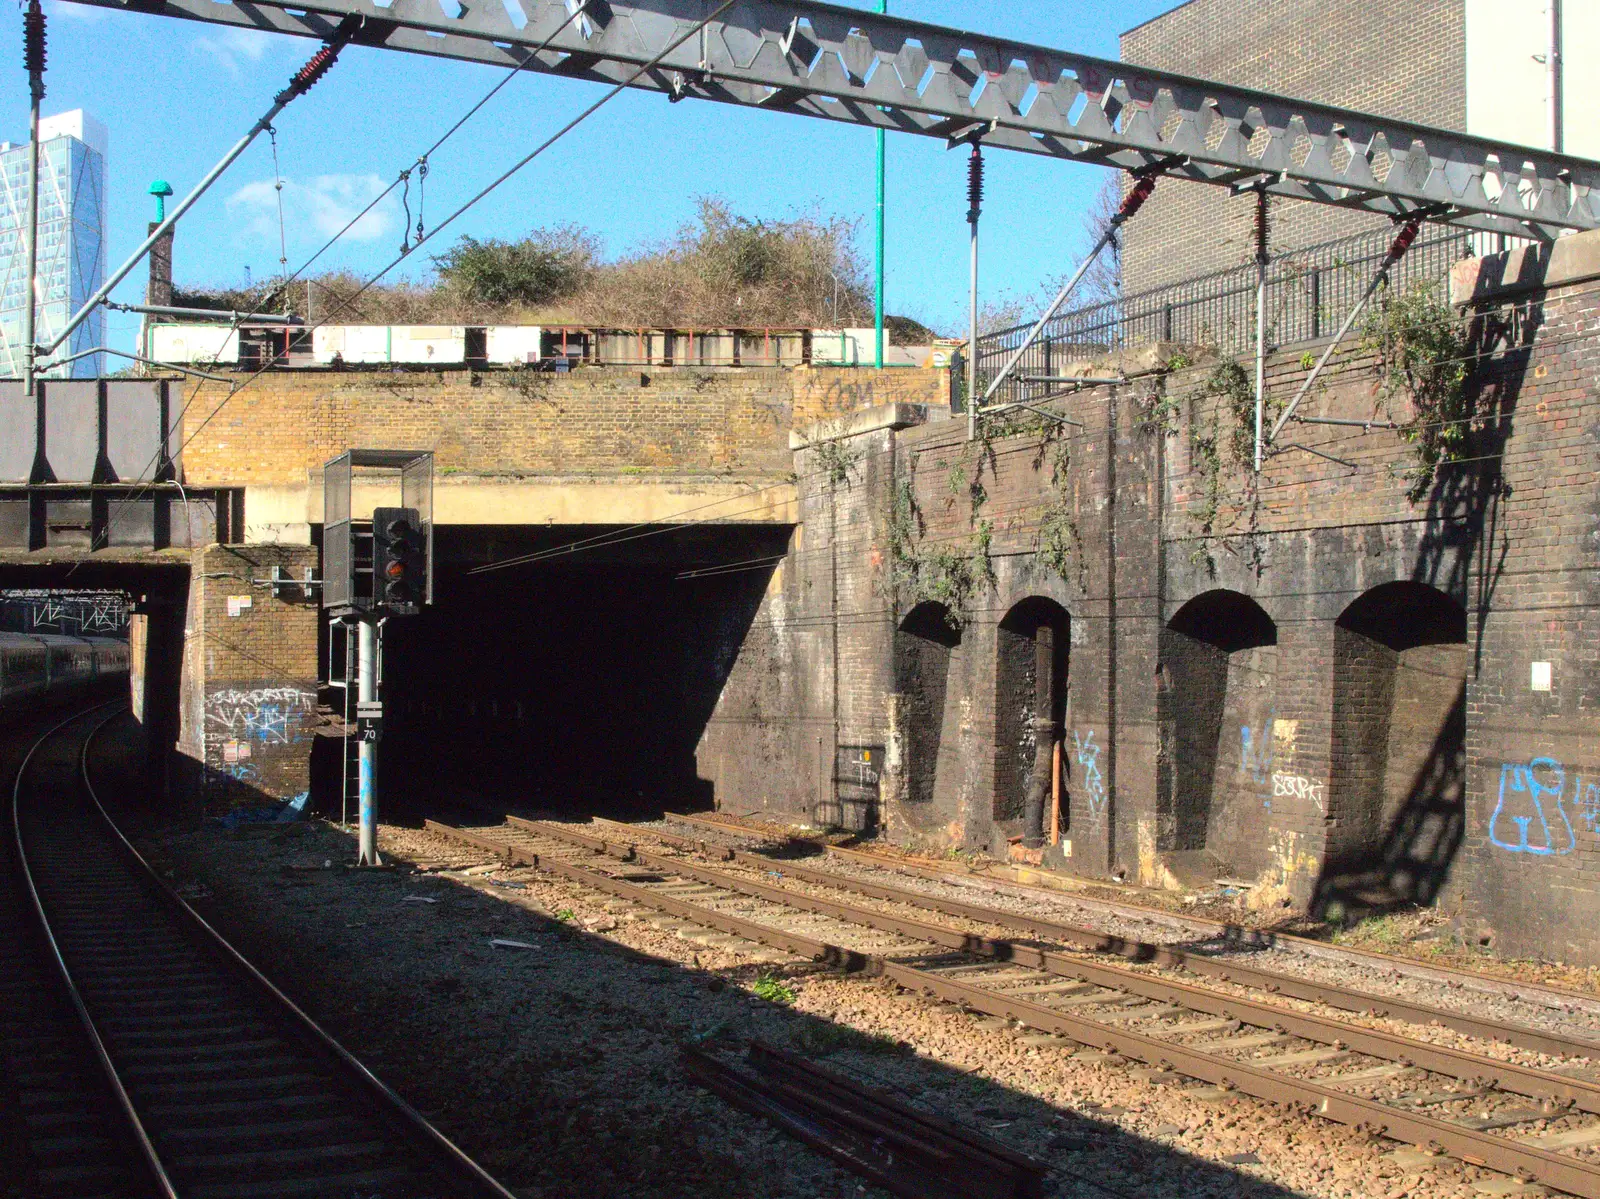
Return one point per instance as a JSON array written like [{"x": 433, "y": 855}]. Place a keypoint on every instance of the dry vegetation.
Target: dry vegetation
[{"x": 720, "y": 271}]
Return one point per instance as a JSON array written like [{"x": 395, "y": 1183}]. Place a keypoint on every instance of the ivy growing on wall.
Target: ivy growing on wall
[
  {"x": 1420, "y": 352},
  {"x": 949, "y": 573},
  {"x": 954, "y": 573},
  {"x": 835, "y": 460}
]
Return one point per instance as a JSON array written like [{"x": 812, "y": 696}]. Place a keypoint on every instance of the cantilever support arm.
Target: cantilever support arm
[
  {"x": 1402, "y": 243},
  {"x": 1131, "y": 203},
  {"x": 301, "y": 83}
]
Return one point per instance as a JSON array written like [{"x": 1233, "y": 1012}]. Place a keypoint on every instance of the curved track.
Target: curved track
[
  {"x": 1529, "y": 1120},
  {"x": 219, "y": 1085}
]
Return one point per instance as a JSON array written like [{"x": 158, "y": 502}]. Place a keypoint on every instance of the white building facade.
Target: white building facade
[{"x": 72, "y": 240}]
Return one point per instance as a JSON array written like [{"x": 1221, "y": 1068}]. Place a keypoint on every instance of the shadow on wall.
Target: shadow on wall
[
  {"x": 1462, "y": 524},
  {"x": 924, "y": 644},
  {"x": 1211, "y": 653},
  {"x": 1396, "y": 790}
]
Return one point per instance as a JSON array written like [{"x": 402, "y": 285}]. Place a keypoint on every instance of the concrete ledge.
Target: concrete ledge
[
  {"x": 285, "y": 513},
  {"x": 1130, "y": 363},
  {"x": 870, "y": 420},
  {"x": 1567, "y": 260}
]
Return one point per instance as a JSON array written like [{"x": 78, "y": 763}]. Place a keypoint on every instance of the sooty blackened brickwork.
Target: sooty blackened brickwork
[
  {"x": 1348, "y": 698},
  {"x": 1398, "y": 58}
]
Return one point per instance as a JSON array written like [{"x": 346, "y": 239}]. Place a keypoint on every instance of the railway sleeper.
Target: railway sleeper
[{"x": 1201, "y": 1063}]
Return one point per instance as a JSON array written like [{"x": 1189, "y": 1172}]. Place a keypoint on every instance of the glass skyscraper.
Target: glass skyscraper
[{"x": 72, "y": 245}]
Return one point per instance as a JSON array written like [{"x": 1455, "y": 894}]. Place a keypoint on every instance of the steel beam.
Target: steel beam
[{"x": 883, "y": 72}]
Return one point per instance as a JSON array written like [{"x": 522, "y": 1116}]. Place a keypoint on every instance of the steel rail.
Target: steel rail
[
  {"x": 1566, "y": 1173},
  {"x": 884, "y": 72},
  {"x": 147, "y": 1150},
  {"x": 1287, "y": 985},
  {"x": 819, "y": 951},
  {"x": 1455, "y": 1063},
  {"x": 1550, "y": 995},
  {"x": 452, "y": 1157}
]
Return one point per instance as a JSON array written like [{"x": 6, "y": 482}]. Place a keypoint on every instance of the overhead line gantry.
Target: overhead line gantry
[{"x": 885, "y": 72}]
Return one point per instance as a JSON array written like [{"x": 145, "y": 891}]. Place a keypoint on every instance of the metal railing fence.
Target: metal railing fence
[{"x": 1308, "y": 293}]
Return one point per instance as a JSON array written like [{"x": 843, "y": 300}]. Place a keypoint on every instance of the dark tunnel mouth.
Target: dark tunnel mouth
[{"x": 580, "y": 682}]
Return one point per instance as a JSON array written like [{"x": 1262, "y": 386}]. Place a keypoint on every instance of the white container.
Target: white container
[
  {"x": 350, "y": 343},
  {"x": 194, "y": 344},
  {"x": 429, "y": 345},
  {"x": 843, "y": 347},
  {"x": 513, "y": 344}
]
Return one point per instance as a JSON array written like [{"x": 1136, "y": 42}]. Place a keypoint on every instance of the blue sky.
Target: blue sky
[{"x": 175, "y": 95}]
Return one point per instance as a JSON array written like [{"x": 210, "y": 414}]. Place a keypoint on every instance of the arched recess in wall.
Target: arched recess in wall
[
  {"x": 1031, "y": 650},
  {"x": 923, "y": 646},
  {"x": 1217, "y": 659},
  {"x": 1396, "y": 786}
]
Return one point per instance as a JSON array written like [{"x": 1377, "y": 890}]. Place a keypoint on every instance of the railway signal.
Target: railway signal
[{"x": 399, "y": 561}]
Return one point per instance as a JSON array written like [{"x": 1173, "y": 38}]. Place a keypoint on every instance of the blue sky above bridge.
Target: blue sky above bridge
[{"x": 175, "y": 95}]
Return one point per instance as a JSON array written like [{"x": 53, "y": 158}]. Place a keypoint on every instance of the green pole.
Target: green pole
[{"x": 877, "y": 314}]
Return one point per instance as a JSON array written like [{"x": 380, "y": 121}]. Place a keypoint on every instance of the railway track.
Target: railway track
[
  {"x": 211, "y": 1082},
  {"x": 1220, "y": 935},
  {"x": 1531, "y": 1122}
]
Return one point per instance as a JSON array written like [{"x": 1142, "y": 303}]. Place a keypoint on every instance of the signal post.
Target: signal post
[{"x": 375, "y": 569}]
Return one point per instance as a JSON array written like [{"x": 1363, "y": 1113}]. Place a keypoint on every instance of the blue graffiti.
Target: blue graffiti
[
  {"x": 1525, "y": 792},
  {"x": 1256, "y": 750},
  {"x": 1088, "y": 755},
  {"x": 1587, "y": 797}
]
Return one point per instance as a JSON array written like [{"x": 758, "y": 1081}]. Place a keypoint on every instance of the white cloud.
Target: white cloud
[
  {"x": 230, "y": 46},
  {"x": 314, "y": 210},
  {"x": 88, "y": 14}
]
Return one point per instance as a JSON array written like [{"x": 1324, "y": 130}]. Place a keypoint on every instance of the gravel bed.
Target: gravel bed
[
  {"x": 556, "y": 1066},
  {"x": 1434, "y": 1035},
  {"x": 1322, "y": 964}
]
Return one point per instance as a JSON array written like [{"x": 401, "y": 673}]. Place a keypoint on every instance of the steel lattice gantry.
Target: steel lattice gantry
[{"x": 841, "y": 64}]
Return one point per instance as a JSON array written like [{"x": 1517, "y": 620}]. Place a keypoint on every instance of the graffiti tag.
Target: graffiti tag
[
  {"x": 1094, "y": 787},
  {"x": 1294, "y": 786},
  {"x": 1256, "y": 750},
  {"x": 1531, "y": 795},
  {"x": 271, "y": 715}
]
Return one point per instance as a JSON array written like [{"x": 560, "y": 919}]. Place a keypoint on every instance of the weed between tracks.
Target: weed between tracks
[{"x": 773, "y": 989}]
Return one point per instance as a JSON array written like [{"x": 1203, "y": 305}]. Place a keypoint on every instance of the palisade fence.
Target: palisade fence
[{"x": 1309, "y": 292}]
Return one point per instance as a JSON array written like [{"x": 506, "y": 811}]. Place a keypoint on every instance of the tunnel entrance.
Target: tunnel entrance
[
  {"x": 581, "y": 676},
  {"x": 1397, "y": 781},
  {"x": 1218, "y": 660},
  {"x": 1030, "y": 710},
  {"x": 924, "y": 644},
  {"x": 138, "y": 602}
]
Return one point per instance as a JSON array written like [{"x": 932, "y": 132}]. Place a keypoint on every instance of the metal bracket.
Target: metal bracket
[
  {"x": 1295, "y": 445},
  {"x": 281, "y": 583}
]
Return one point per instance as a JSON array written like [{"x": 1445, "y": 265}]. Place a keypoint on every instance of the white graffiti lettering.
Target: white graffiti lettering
[
  {"x": 1294, "y": 786},
  {"x": 271, "y": 715}
]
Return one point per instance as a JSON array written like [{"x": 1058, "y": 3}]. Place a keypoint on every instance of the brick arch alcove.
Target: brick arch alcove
[
  {"x": 1031, "y": 652},
  {"x": 1217, "y": 665},
  {"x": 924, "y": 644},
  {"x": 1396, "y": 787}
]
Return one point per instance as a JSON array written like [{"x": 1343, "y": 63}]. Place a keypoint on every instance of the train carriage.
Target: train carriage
[{"x": 37, "y": 664}]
